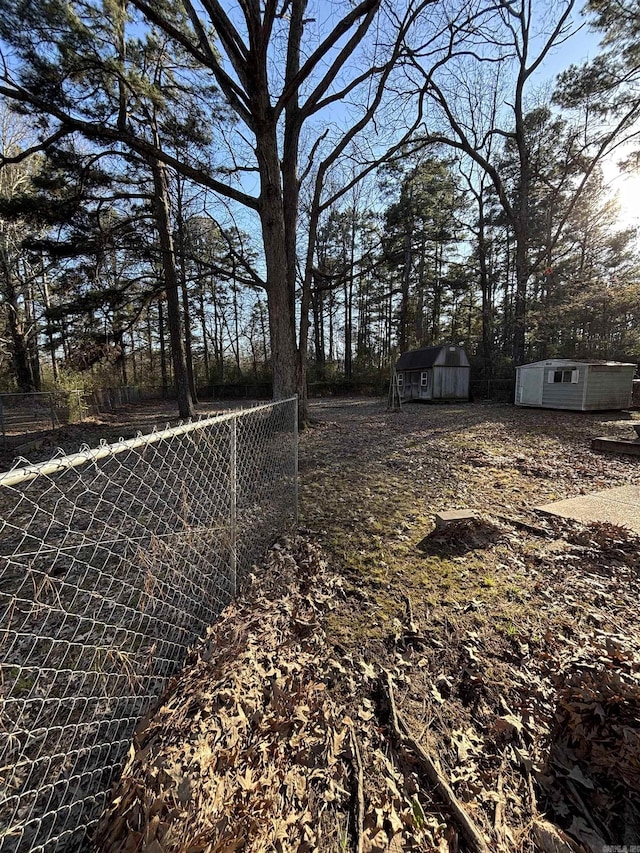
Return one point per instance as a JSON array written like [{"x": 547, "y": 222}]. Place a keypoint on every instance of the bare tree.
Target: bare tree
[{"x": 507, "y": 37}]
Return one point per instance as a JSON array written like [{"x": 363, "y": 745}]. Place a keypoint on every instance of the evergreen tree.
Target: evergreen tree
[
  {"x": 420, "y": 229},
  {"x": 89, "y": 69}
]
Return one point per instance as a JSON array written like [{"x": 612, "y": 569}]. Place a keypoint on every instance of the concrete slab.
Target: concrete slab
[{"x": 616, "y": 506}]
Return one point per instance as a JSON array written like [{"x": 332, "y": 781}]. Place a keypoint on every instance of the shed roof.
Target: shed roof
[
  {"x": 552, "y": 362},
  {"x": 419, "y": 359}
]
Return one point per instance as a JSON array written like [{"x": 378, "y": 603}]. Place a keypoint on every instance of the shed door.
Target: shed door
[{"x": 531, "y": 387}]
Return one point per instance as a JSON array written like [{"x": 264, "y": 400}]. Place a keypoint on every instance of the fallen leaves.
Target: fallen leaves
[
  {"x": 250, "y": 750},
  {"x": 593, "y": 763},
  {"x": 247, "y": 742}
]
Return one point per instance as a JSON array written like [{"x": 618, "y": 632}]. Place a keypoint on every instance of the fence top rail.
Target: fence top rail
[{"x": 74, "y": 460}]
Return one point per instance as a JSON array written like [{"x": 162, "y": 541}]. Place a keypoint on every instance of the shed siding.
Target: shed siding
[
  {"x": 608, "y": 387},
  {"x": 446, "y": 369},
  {"x": 593, "y": 387},
  {"x": 451, "y": 383},
  {"x": 564, "y": 395},
  {"x": 412, "y": 388},
  {"x": 451, "y": 356}
]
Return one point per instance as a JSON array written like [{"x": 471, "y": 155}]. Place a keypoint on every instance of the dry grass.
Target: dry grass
[{"x": 503, "y": 615}]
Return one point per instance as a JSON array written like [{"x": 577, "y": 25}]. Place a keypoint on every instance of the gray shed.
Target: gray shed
[
  {"x": 434, "y": 373},
  {"x": 585, "y": 386}
]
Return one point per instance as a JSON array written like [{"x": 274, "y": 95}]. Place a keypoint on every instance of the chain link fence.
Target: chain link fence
[
  {"x": 110, "y": 399},
  {"x": 38, "y": 411},
  {"x": 23, "y": 414},
  {"x": 112, "y": 562}
]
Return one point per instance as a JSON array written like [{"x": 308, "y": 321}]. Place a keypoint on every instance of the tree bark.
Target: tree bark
[
  {"x": 487, "y": 305},
  {"x": 404, "y": 298},
  {"x": 280, "y": 291},
  {"x": 188, "y": 338},
  {"x": 163, "y": 350},
  {"x": 437, "y": 293},
  {"x": 163, "y": 225},
  {"x": 49, "y": 327},
  {"x": 19, "y": 345},
  {"x": 203, "y": 325},
  {"x": 188, "y": 348}
]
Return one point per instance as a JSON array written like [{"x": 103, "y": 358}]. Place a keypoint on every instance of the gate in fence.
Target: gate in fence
[{"x": 112, "y": 562}]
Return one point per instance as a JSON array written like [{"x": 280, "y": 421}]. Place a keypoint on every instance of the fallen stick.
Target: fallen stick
[
  {"x": 359, "y": 824},
  {"x": 524, "y": 525},
  {"x": 498, "y": 817},
  {"x": 470, "y": 831}
]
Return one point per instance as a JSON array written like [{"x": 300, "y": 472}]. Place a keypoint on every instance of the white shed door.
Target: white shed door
[{"x": 531, "y": 386}]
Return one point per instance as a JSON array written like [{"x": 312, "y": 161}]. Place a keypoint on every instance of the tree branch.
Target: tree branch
[
  {"x": 235, "y": 94},
  {"x": 293, "y": 85},
  {"x": 141, "y": 146},
  {"x": 34, "y": 149}
]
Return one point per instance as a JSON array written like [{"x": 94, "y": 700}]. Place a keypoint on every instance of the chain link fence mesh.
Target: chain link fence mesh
[
  {"x": 22, "y": 414},
  {"x": 112, "y": 562}
]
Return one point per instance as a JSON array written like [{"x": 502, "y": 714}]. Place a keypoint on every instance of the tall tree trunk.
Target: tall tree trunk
[
  {"x": 350, "y": 286},
  {"x": 521, "y": 231},
  {"x": 347, "y": 329},
  {"x": 236, "y": 321},
  {"x": 520, "y": 299},
  {"x": 163, "y": 225},
  {"x": 49, "y": 327},
  {"x": 486, "y": 291},
  {"x": 150, "y": 358},
  {"x": 217, "y": 337},
  {"x": 404, "y": 297},
  {"x": 331, "y": 341},
  {"x": 19, "y": 348},
  {"x": 163, "y": 350},
  {"x": 437, "y": 294},
  {"x": 421, "y": 289},
  {"x": 203, "y": 325},
  {"x": 287, "y": 369},
  {"x": 318, "y": 346},
  {"x": 290, "y": 200},
  {"x": 264, "y": 338},
  {"x": 188, "y": 343},
  {"x": 134, "y": 367},
  {"x": 32, "y": 338},
  {"x": 188, "y": 337}
]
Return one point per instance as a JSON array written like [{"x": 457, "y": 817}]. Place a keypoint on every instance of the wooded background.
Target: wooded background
[{"x": 197, "y": 193}]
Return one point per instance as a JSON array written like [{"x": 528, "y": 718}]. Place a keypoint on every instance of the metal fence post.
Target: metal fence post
[
  {"x": 233, "y": 521},
  {"x": 52, "y": 406}
]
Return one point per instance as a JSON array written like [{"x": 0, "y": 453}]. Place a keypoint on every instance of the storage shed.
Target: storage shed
[
  {"x": 586, "y": 386},
  {"x": 434, "y": 373}
]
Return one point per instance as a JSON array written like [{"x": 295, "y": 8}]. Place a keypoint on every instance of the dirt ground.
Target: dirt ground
[
  {"x": 518, "y": 638},
  {"x": 382, "y": 685}
]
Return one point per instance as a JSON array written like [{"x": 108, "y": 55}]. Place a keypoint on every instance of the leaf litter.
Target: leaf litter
[
  {"x": 257, "y": 744},
  {"x": 512, "y": 644}
]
